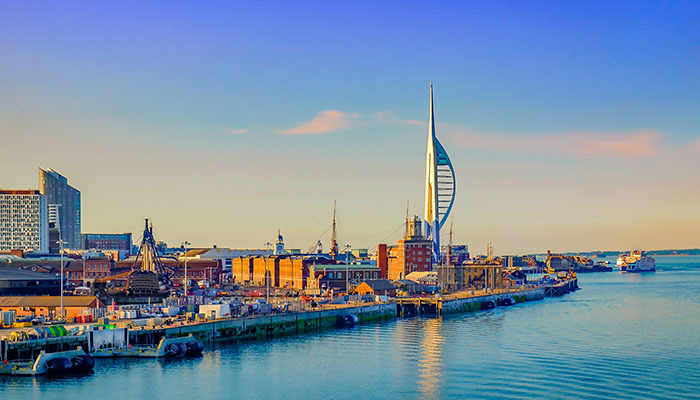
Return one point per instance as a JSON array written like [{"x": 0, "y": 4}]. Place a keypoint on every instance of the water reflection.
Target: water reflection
[{"x": 430, "y": 361}]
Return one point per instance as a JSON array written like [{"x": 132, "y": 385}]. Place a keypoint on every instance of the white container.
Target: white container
[
  {"x": 215, "y": 311},
  {"x": 171, "y": 311}
]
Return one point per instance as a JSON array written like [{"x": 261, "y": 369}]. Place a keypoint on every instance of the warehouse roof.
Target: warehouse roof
[
  {"x": 14, "y": 274},
  {"x": 49, "y": 301}
]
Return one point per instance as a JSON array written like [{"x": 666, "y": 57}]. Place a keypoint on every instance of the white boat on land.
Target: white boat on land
[
  {"x": 636, "y": 261},
  {"x": 167, "y": 347},
  {"x": 71, "y": 361}
]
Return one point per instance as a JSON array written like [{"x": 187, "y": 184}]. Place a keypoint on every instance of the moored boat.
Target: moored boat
[{"x": 636, "y": 261}]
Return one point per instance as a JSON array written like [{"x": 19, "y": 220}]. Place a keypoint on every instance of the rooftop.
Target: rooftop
[
  {"x": 14, "y": 274},
  {"x": 47, "y": 301}
]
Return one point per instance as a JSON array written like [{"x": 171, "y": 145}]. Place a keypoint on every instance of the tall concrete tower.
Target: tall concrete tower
[{"x": 439, "y": 185}]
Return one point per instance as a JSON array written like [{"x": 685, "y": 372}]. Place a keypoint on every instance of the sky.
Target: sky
[{"x": 572, "y": 126}]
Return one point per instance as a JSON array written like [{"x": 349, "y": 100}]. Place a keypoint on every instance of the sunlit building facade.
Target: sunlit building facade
[
  {"x": 65, "y": 202},
  {"x": 24, "y": 221}
]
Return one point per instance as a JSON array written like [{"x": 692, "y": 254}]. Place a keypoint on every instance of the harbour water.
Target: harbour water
[{"x": 621, "y": 336}]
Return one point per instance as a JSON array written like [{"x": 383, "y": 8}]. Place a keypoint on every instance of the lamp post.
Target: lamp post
[
  {"x": 60, "y": 242},
  {"x": 267, "y": 275},
  {"x": 184, "y": 283},
  {"x": 347, "y": 270}
]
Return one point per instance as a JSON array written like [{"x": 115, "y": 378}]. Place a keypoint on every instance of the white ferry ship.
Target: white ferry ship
[{"x": 636, "y": 261}]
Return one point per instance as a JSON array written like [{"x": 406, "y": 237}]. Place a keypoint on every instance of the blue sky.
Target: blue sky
[{"x": 572, "y": 125}]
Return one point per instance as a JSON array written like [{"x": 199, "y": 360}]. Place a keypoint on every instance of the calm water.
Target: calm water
[{"x": 621, "y": 336}]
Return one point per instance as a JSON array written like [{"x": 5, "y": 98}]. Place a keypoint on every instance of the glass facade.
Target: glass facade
[{"x": 65, "y": 201}]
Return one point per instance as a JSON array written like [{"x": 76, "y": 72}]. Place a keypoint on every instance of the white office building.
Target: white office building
[{"x": 24, "y": 221}]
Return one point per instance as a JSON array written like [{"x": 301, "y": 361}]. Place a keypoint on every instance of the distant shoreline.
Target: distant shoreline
[{"x": 610, "y": 253}]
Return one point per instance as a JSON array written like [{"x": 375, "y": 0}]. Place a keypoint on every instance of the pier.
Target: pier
[{"x": 466, "y": 301}]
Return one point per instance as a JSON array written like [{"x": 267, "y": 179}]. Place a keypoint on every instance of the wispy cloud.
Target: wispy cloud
[
  {"x": 414, "y": 122},
  {"x": 239, "y": 131},
  {"x": 324, "y": 122},
  {"x": 576, "y": 144}
]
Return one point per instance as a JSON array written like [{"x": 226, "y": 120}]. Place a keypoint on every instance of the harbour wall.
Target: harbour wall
[
  {"x": 268, "y": 326},
  {"x": 477, "y": 303}
]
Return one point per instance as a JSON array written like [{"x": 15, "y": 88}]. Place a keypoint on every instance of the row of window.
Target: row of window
[{"x": 354, "y": 275}]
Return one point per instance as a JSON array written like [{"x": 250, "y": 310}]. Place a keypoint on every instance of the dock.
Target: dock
[
  {"x": 466, "y": 301},
  {"x": 244, "y": 328},
  {"x": 296, "y": 323}
]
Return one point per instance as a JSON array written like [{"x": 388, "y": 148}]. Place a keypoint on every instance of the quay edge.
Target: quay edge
[{"x": 270, "y": 326}]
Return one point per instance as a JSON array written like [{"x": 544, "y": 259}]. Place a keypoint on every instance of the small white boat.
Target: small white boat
[
  {"x": 71, "y": 361},
  {"x": 167, "y": 347}
]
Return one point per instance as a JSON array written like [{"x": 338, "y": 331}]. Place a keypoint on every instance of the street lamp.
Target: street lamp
[
  {"x": 267, "y": 275},
  {"x": 61, "y": 243},
  {"x": 347, "y": 271},
  {"x": 184, "y": 283}
]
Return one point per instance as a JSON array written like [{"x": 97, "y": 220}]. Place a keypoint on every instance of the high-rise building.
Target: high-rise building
[
  {"x": 64, "y": 199},
  {"x": 439, "y": 186},
  {"x": 24, "y": 221}
]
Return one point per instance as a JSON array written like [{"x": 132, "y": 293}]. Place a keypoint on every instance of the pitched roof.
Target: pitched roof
[
  {"x": 11, "y": 274},
  {"x": 380, "y": 284},
  {"x": 48, "y": 301}
]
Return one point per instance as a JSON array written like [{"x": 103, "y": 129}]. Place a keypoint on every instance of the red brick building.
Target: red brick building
[
  {"x": 412, "y": 253},
  {"x": 88, "y": 270}
]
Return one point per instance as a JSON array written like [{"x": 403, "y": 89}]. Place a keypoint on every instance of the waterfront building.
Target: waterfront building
[
  {"x": 24, "y": 221},
  {"x": 335, "y": 276},
  {"x": 439, "y": 186},
  {"x": 93, "y": 266},
  {"x": 48, "y": 306},
  {"x": 412, "y": 253},
  {"x": 451, "y": 276},
  {"x": 28, "y": 282},
  {"x": 480, "y": 275},
  {"x": 226, "y": 256},
  {"x": 65, "y": 201},
  {"x": 107, "y": 241}
]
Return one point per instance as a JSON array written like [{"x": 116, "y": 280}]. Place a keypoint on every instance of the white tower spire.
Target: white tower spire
[{"x": 439, "y": 185}]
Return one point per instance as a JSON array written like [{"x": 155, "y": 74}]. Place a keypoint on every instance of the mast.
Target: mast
[
  {"x": 334, "y": 242},
  {"x": 449, "y": 247},
  {"x": 406, "y": 232}
]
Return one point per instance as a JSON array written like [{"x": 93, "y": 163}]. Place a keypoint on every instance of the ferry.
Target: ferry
[{"x": 636, "y": 261}]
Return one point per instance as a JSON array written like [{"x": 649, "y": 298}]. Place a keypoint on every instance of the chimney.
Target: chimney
[{"x": 382, "y": 260}]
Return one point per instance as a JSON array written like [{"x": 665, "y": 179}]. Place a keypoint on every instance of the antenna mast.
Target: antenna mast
[{"x": 334, "y": 242}]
